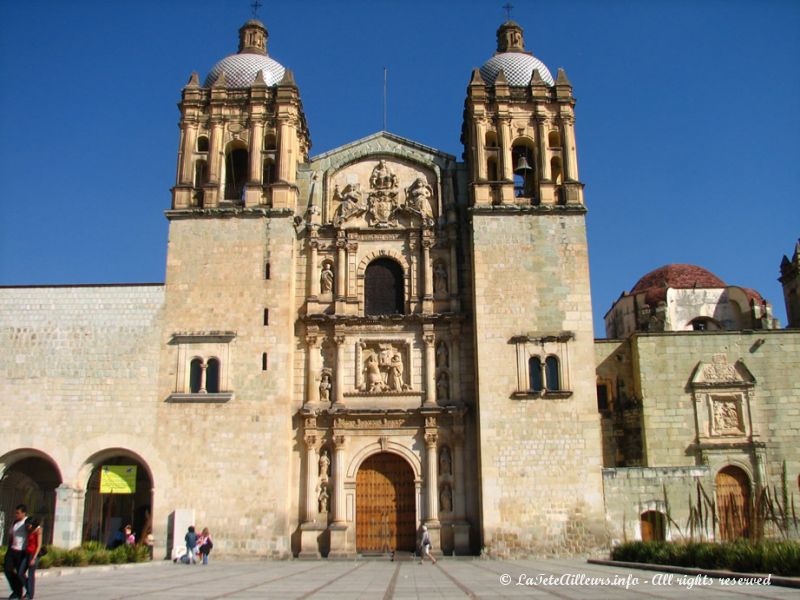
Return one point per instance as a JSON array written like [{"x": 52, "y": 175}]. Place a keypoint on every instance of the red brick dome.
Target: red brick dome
[{"x": 656, "y": 282}]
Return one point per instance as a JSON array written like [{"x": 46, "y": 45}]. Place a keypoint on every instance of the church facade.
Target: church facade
[{"x": 350, "y": 346}]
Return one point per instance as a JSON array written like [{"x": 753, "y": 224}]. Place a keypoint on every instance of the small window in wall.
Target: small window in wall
[
  {"x": 264, "y": 361},
  {"x": 556, "y": 173},
  {"x": 195, "y": 375},
  {"x": 554, "y": 139},
  {"x": 266, "y": 316},
  {"x": 202, "y": 144},
  {"x": 383, "y": 288},
  {"x": 535, "y": 374},
  {"x": 212, "y": 376},
  {"x": 491, "y": 139},
  {"x": 268, "y": 173},
  {"x": 552, "y": 375},
  {"x": 602, "y": 397},
  {"x": 266, "y": 271}
]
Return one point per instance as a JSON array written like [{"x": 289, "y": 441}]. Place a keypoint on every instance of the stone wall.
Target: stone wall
[{"x": 540, "y": 455}]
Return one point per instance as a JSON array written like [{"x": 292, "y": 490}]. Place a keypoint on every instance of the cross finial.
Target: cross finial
[
  {"x": 255, "y": 6},
  {"x": 508, "y": 6}
]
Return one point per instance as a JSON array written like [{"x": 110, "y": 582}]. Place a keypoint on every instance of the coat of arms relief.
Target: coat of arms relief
[{"x": 385, "y": 201}]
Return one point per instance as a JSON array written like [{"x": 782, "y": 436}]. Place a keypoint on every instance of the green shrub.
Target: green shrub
[
  {"x": 93, "y": 546},
  {"x": 100, "y": 557},
  {"x": 3, "y": 553},
  {"x": 137, "y": 553},
  {"x": 46, "y": 561},
  {"x": 76, "y": 557},
  {"x": 118, "y": 555},
  {"x": 776, "y": 557},
  {"x": 57, "y": 556}
]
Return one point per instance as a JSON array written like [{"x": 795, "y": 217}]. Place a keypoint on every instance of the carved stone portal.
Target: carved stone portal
[
  {"x": 727, "y": 419},
  {"x": 384, "y": 368}
]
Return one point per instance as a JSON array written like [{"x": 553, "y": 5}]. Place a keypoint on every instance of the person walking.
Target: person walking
[
  {"x": 17, "y": 537},
  {"x": 191, "y": 545},
  {"x": 425, "y": 546},
  {"x": 33, "y": 547},
  {"x": 205, "y": 545}
]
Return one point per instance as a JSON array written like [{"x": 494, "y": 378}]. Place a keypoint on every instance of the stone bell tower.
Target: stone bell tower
[
  {"x": 227, "y": 355},
  {"x": 790, "y": 279},
  {"x": 539, "y": 437}
]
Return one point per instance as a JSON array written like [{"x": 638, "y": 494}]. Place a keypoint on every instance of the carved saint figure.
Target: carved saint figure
[
  {"x": 446, "y": 499},
  {"x": 439, "y": 279},
  {"x": 418, "y": 196},
  {"x": 395, "y": 374},
  {"x": 382, "y": 178},
  {"x": 442, "y": 387},
  {"x": 323, "y": 498},
  {"x": 326, "y": 279},
  {"x": 726, "y": 416},
  {"x": 351, "y": 198},
  {"x": 325, "y": 387},
  {"x": 373, "y": 376},
  {"x": 324, "y": 463},
  {"x": 442, "y": 358},
  {"x": 445, "y": 461}
]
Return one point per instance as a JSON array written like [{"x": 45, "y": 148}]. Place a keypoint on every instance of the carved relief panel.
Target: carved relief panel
[
  {"x": 722, "y": 395},
  {"x": 382, "y": 193}
]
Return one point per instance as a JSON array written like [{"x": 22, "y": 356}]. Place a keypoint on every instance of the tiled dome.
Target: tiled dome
[
  {"x": 518, "y": 68},
  {"x": 675, "y": 276},
  {"x": 241, "y": 70}
]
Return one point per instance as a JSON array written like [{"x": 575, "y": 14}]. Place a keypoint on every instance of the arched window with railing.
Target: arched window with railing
[
  {"x": 552, "y": 374},
  {"x": 535, "y": 374}
]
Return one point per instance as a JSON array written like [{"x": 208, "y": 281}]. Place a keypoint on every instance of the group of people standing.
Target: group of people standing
[
  {"x": 22, "y": 555},
  {"x": 197, "y": 546}
]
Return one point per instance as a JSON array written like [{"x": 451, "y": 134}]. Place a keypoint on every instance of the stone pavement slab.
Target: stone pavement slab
[{"x": 384, "y": 580}]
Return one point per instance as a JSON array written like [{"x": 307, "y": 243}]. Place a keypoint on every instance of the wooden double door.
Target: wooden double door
[
  {"x": 733, "y": 503},
  {"x": 386, "y": 518}
]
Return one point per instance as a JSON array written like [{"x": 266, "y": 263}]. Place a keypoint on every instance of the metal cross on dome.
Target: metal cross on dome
[
  {"x": 255, "y": 6},
  {"x": 508, "y": 6}
]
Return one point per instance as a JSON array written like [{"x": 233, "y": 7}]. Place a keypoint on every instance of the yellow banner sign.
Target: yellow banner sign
[{"x": 118, "y": 479}]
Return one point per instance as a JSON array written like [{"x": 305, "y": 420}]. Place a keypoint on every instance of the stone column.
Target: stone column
[
  {"x": 187, "y": 164},
  {"x": 67, "y": 525},
  {"x": 338, "y": 395},
  {"x": 313, "y": 275},
  {"x": 541, "y": 119},
  {"x": 480, "y": 150},
  {"x": 203, "y": 368},
  {"x": 284, "y": 151},
  {"x": 256, "y": 143},
  {"x": 452, "y": 272},
  {"x": 460, "y": 525},
  {"x": 339, "y": 513},
  {"x": 312, "y": 446},
  {"x": 215, "y": 150},
  {"x": 455, "y": 366},
  {"x": 341, "y": 269},
  {"x": 568, "y": 148},
  {"x": 432, "y": 477},
  {"x": 427, "y": 270},
  {"x": 430, "y": 369},
  {"x": 506, "y": 168},
  {"x": 312, "y": 368}
]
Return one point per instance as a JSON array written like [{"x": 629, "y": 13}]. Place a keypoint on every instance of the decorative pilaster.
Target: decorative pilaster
[
  {"x": 432, "y": 477},
  {"x": 480, "y": 146},
  {"x": 339, "y": 513},
  {"x": 455, "y": 366},
  {"x": 352, "y": 257},
  {"x": 430, "y": 368},
  {"x": 460, "y": 525},
  {"x": 68, "y": 521},
  {"x": 504, "y": 140},
  {"x": 568, "y": 144},
  {"x": 338, "y": 396},
  {"x": 312, "y": 367},
  {"x": 541, "y": 134},
  {"x": 189, "y": 142},
  {"x": 312, "y": 441},
  {"x": 313, "y": 275},
  {"x": 341, "y": 270}
]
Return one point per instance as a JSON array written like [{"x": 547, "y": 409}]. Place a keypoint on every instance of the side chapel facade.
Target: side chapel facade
[{"x": 346, "y": 346}]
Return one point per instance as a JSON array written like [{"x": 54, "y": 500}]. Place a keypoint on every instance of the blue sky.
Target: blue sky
[{"x": 687, "y": 119}]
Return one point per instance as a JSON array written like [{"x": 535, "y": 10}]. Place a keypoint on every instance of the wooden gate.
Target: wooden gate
[
  {"x": 653, "y": 526},
  {"x": 733, "y": 503},
  {"x": 385, "y": 505}
]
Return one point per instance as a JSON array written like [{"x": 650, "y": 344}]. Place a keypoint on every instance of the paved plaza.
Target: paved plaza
[{"x": 382, "y": 579}]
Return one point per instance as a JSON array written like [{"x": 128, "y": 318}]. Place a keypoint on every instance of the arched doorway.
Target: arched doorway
[
  {"x": 119, "y": 492},
  {"x": 733, "y": 503},
  {"x": 31, "y": 481},
  {"x": 653, "y": 526},
  {"x": 383, "y": 288},
  {"x": 386, "y": 517}
]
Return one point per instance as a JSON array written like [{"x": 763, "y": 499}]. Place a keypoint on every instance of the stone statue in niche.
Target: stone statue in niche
[
  {"x": 324, "y": 465},
  {"x": 446, "y": 499},
  {"x": 440, "y": 286},
  {"x": 325, "y": 386},
  {"x": 373, "y": 376},
  {"x": 442, "y": 356},
  {"x": 326, "y": 279},
  {"x": 395, "y": 374},
  {"x": 442, "y": 388},
  {"x": 726, "y": 416},
  {"x": 323, "y": 498},
  {"x": 445, "y": 461},
  {"x": 418, "y": 196}
]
